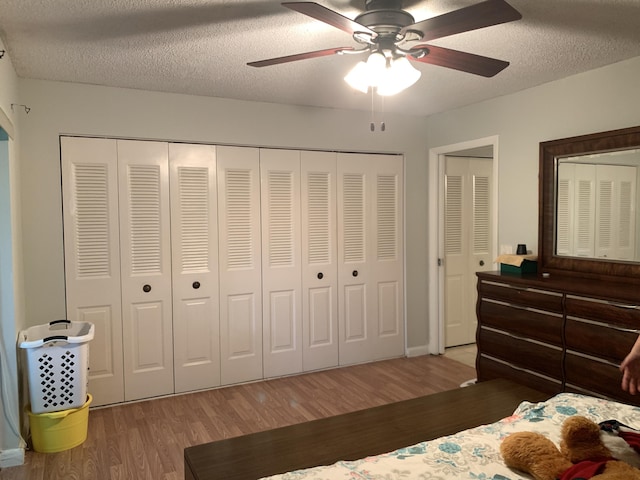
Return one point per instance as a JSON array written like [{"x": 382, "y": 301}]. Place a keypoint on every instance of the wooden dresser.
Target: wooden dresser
[{"x": 558, "y": 333}]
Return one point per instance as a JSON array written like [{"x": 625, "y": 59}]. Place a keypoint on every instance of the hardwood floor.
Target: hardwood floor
[{"x": 145, "y": 440}]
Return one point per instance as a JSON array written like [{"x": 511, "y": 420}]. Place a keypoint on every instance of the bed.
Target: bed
[{"x": 453, "y": 434}]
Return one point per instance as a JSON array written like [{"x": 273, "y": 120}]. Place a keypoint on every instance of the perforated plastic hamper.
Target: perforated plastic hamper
[{"x": 58, "y": 364}]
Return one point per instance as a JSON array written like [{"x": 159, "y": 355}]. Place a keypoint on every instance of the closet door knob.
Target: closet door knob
[
  {"x": 354, "y": 273},
  {"x": 196, "y": 285},
  {"x": 146, "y": 288},
  {"x": 320, "y": 275},
  {"x": 482, "y": 263}
]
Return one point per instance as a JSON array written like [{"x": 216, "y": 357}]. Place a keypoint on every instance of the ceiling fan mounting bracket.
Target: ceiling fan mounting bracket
[{"x": 385, "y": 21}]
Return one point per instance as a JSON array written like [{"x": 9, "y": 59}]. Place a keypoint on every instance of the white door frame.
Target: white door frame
[{"x": 437, "y": 155}]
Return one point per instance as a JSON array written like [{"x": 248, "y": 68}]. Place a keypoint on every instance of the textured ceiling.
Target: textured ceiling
[{"x": 201, "y": 47}]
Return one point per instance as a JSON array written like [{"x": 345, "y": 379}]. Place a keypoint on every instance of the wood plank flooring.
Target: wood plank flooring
[{"x": 145, "y": 440}]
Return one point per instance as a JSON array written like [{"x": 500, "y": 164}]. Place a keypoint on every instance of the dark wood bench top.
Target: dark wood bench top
[{"x": 355, "y": 435}]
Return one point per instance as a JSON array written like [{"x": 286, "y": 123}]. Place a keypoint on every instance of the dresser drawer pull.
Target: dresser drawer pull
[
  {"x": 626, "y": 307},
  {"x": 626, "y": 330}
]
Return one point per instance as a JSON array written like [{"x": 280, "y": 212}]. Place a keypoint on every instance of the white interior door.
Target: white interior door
[
  {"x": 146, "y": 268},
  {"x": 319, "y": 262},
  {"x": 194, "y": 244},
  {"x": 468, "y": 242},
  {"x": 92, "y": 257},
  {"x": 240, "y": 264},
  {"x": 281, "y": 262},
  {"x": 370, "y": 288},
  {"x": 386, "y": 257}
]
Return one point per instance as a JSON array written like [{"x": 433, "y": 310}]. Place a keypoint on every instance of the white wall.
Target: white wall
[
  {"x": 58, "y": 108},
  {"x": 604, "y": 99}
]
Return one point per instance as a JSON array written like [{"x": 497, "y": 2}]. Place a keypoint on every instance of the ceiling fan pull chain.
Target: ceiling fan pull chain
[{"x": 373, "y": 125}]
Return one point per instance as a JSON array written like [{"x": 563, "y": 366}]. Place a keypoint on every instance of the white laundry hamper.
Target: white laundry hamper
[{"x": 58, "y": 364}]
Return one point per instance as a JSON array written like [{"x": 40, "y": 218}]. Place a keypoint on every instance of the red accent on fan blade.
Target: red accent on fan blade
[
  {"x": 330, "y": 17},
  {"x": 463, "y": 61},
  {"x": 485, "y": 14},
  {"x": 299, "y": 56}
]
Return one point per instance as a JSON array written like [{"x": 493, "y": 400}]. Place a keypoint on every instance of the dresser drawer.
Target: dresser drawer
[
  {"x": 583, "y": 373},
  {"x": 491, "y": 368},
  {"x": 521, "y": 322},
  {"x": 534, "y": 356},
  {"x": 598, "y": 339},
  {"x": 622, "y": 315},
  {"x": 525, "y": 297}
]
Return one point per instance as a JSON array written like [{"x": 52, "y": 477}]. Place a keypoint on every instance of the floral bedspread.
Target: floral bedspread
[{"x": 475, "y": 453}]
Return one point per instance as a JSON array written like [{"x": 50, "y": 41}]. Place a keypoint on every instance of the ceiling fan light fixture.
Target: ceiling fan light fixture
[
  {"x": 399, "y": 76},
  {"x": 388, "y": 78},
  {"x": 358, "y": 77}
]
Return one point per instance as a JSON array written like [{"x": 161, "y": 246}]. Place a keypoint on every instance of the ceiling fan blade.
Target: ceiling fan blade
[
  {"x": 463, "y": 61},
  {"x": 328, "y": 16},
  {"x": 299, "y": 56},
  {"x": 480, "y": 15}
]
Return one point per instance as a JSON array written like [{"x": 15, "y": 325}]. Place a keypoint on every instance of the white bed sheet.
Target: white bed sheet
[{"x": 475, "y": 453}]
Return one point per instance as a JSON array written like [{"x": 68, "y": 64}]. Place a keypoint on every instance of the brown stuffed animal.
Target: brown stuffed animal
[{"x": 582, "y": 454}]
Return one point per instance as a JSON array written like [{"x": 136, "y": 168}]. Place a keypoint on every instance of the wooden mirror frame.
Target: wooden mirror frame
[{"x": 548, "y": 261}]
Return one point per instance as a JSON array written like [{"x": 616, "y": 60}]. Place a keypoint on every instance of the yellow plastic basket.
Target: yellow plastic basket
[{"x": 58, "y": 431}]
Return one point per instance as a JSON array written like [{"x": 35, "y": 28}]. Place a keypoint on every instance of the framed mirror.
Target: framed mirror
[{"x": 589, "y": 205}]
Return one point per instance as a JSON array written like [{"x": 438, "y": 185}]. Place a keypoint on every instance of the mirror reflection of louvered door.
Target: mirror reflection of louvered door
[
  {"x": 92, "y": 257},
  {"x": 468, "y": 242},
  {"x": 370, "y": 257},
  {"x": 596, "y": 211},
  {"x": 145, "y": 253},
  {"x": 194, "y": 245},
  {"x": 240, "y": 264}
]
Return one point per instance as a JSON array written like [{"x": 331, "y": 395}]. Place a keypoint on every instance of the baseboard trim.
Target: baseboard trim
[
  {"x": 417, "y": 351},
  {"x": 12, "y": 457}
]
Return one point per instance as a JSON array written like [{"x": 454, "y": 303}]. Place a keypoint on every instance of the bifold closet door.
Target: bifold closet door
[
  {"x": 145, "y": 268},
  {"x": 194, "y": 246},
  {"x": 370, "y": 269},
  {"x": 319, "y": 260},
  {"x": 281, "y": 268},
  {"x": 240, "y": 264},
  {"x": 92, "y": 257}
]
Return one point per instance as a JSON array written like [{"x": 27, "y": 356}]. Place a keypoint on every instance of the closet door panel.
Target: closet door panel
[
  {"x": 371, "y": 258},
  {"x": 356, "y": 312},
  {"x": 281, "y": 261},
  {"x": 146, "y": 268},
  {"x": 92, "y": 257},
  {"x": 194, "y": 245},
  {"x": 319, "y": 260},
  {"x": 239, "y": 264},
  {"x": 387, "y": 259}
]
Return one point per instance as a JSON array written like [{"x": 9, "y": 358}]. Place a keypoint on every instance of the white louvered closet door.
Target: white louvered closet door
[
  {"x": 387, "y": 255},
  {"x": 281, "y": 267},
  {"x": 468, "y": 242},
  {"x": 146, "y": 268},
  {"x": 194, "y": 244},
  {"x": 92, "y": 257},
  {"x": 370, "y": 257},
  {"x": 319, "y": 260},
  {"x": 240, "y": 264}
]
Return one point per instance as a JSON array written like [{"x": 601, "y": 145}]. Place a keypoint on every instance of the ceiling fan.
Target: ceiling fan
[{"x": 387, "y": 30}]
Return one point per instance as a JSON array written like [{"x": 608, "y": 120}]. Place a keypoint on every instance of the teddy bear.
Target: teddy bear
[{"x": 582, "y": 454}]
